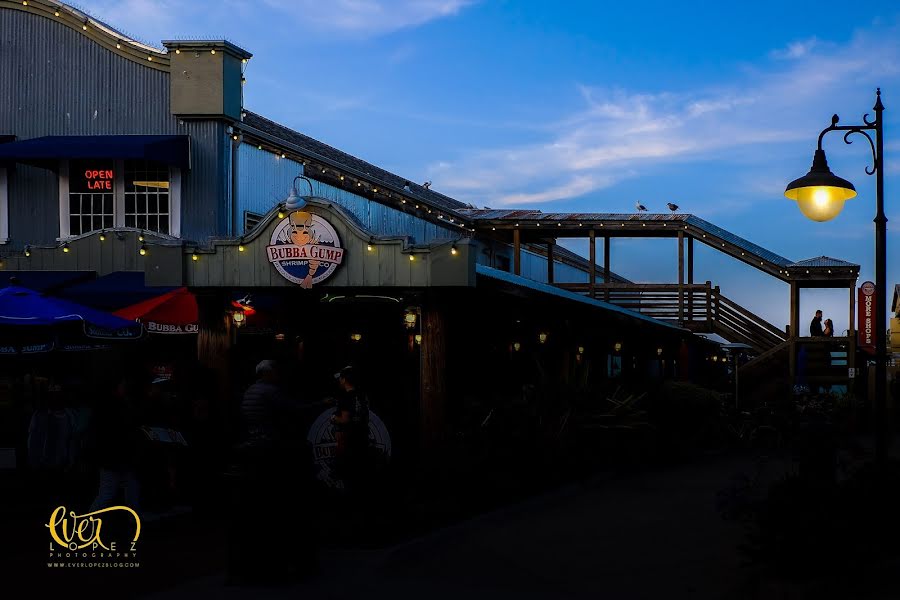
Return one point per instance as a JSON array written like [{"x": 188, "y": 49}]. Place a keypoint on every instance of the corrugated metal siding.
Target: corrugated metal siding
[
  {"x": 264, "y": 179},
  {"x": 55, "y": 81}
]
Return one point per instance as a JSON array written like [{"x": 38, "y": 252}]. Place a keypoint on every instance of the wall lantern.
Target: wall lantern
[
  {"x": 239, "y": 318},
  {"x": 618, "y": 346},
  {"x": 409, "y": 318},
  {"x": 542, "y": 338},
  {"x": 516, "y": 346},
  {"x": 580, "y": 349},
  {"x": 355, "y": 337},
  {"x": 294, "y": 201},
  {"x": 418, "y": 338},
  {"x": 659, "y": 351}
]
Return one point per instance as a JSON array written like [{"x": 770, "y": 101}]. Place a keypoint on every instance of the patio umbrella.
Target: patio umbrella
[
  {"x": 174, "y": 312},
  {"x": 24, "y": 309}
]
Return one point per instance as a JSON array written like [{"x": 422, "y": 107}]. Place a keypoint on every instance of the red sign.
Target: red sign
[
  {"x": 99, "y": 179},
  {"x": 865, "y": 298}
]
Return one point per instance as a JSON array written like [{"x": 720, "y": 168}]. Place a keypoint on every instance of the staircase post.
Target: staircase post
[
  {"x": 709, "y": 308},
  {"x": 680, "y": 276}
]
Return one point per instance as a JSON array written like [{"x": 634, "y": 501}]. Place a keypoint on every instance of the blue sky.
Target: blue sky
[{"x": 587, "y": 106}]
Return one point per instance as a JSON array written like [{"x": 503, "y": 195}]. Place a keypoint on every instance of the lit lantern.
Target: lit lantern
[
  {"x": 355, "y": 337},
  {"x": 542, "y": 338},
  {"x": 659, "y": 351},
  {"x": 618, "y": 346},
  {"x": 239, "y": 318},
  {"x": 516, "y": 346},
  {"x": 409, "y": 319}
]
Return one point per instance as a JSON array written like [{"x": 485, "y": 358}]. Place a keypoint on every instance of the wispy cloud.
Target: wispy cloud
[
  {"x": 620, "y": 133},
  {"x": 795, "y": 50},
  {"x": 153, "y": 20},
  {"x": 368, "y": 17}
]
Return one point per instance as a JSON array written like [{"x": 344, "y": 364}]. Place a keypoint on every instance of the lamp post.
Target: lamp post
[{"x": 821, "y": 196}]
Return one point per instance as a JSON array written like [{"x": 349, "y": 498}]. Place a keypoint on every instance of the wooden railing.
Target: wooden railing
[{"x": 699, "y": 307}]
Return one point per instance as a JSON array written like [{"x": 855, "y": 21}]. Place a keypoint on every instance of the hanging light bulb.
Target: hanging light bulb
[
  {"x": 241, "y": 246},
  {"x": 27, "y": 251},
  {"x": 65, "y": 247},
  {"x": 141, "y": 236},
  {"x": 103, "y": 236},
  {"x": 143, "y": 250},
  {"x": 453, "y": 250},
  {"x": 194, "y": 256}
]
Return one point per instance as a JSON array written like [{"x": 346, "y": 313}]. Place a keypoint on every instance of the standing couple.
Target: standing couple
[{"x": 816, "y": 328}]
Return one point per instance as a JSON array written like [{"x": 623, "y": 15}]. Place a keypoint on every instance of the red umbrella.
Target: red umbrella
[{"x": 172, "y": 312}]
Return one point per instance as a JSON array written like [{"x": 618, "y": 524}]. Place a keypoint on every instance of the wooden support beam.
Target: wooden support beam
[
  {"x": 592, "y": 269},
  {"x": 606, "y": 277},
  {"x": 550, "y": 245},
  {"x": 517, "y": 252},
  {"x": 680, "y": 276},
  {"x": 794, "y": 333},
  {"x": 433, "y": 392},
  {"x": 690, "y": 277}
]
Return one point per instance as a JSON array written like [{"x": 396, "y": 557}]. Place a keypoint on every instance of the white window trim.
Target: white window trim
[
  {"x": 118, "y": 199},
  {"x": 64, "y": 199},
  {"x": 4, "y": 207}
]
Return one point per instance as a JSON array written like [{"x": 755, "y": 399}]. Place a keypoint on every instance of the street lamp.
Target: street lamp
[{"x": 821, "y": 196}]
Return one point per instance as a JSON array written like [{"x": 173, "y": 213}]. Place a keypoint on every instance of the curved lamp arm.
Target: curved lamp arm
[{"x": 294, "y": 200}]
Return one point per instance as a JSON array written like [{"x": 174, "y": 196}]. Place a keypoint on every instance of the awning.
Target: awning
[
  {"x": 112, "y": 292},
  {"x": 174, "y": 150},
  {"x": 174, "y": 312},
  {"x": 23, "y": 308}
]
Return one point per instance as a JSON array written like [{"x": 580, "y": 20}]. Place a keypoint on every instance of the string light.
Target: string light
[
  {"x": 177, "y": 51},
  {"x": 56, "y": 13},
  {"x": 149, "y": 58},
  {"x": 241, "y": 245},
  {"x": 453, "y": 250},
  {"x": 118, "y": 46},
  {"x": 411, "y": 258},
  {"x": 24, "y": 2},
  {"x": 194, "y": 256},
  {"x": 283, "y": 155},
  {"x": 141, "y": 237},
  {"x": 65, "y": 247},
  {"x": 280, "y": 214},
  {"x": 103, "y": 236},
  {"x": 259, "y": 147},
  {"x": 213, "y": 51},
  {"x": 27, "y": 251},
  {"x": 143, "y": 250},
  {"x": 342, "y": 177}
]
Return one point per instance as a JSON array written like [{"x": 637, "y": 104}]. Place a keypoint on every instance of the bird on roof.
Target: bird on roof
[
  {"x": 640, "y": 207},
  {"x": 672, "y": 207},
  {"x": 426, "y": 185}
]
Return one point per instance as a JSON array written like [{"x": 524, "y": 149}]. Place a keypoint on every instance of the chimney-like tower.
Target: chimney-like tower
[{"x": 206, "y": 78}]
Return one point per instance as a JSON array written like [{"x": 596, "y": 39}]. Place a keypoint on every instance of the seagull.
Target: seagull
[
  {"x": 640, "y": 207},
  {"x": 672, "y": 207},
  {"x": 426, "y": 185}
]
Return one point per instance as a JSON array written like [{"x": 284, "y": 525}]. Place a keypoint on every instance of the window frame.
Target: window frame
[
  {"x": 118, "y": 202},
  {"x": 4, "y": 206}
]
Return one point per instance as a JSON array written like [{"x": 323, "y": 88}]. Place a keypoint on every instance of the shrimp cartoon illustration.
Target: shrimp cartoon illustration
[{"x": 305, "y": 248}]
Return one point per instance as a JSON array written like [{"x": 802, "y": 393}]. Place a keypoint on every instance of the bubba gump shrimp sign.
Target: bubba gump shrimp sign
[{"x": 305, "y": 249}]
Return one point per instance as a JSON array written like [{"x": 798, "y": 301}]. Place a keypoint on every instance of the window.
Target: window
[
  {"x": 91, "y": 196},
  {"x": 102, "y": 194},
  {"x": 147, "y": 196},
  {"x": 251, "y": 220}
]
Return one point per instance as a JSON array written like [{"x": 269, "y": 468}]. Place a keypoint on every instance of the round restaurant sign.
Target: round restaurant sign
[
  {"x": 321, "y": 439},
  {"x": 868, "y": 288},
  {"x": 305, "y": 248}
]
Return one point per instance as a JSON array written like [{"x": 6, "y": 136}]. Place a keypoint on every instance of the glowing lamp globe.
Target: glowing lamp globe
[{"x": 820, "y": 194}]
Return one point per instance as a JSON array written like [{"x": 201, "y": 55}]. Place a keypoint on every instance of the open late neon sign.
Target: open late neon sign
[{"x": 99, "y": 179}]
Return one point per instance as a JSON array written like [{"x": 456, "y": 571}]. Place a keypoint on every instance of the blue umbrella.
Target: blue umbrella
[{"x": 24, "y": 308}]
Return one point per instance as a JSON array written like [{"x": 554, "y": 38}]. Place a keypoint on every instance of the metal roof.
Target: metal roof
[
  {"x": 552, "y": 290},
  {"x": 376, "y": 174},
  {"x": 823, "y": 261}
]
